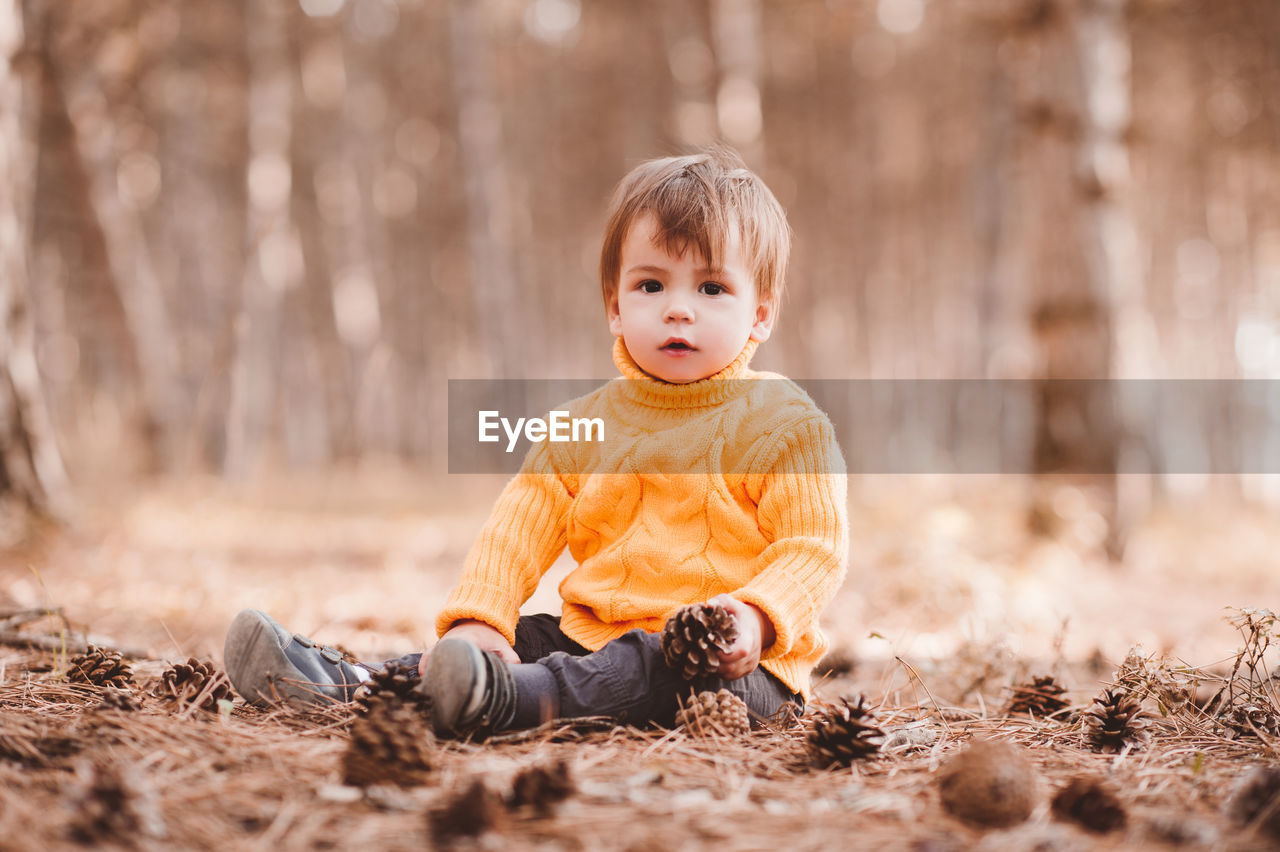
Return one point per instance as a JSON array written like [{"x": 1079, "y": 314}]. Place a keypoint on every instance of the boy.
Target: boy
[{"x": 719, "y": 484}]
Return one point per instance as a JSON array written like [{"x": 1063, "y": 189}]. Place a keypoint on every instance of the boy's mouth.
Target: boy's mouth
[{"x": 676, "y": 344}]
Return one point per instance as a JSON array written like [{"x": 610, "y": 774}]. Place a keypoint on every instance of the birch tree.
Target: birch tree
[{"x": 30, "y": 467}]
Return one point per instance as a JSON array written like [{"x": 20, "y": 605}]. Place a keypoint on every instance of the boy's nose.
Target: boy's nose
[{"x": 678, "y": 309}]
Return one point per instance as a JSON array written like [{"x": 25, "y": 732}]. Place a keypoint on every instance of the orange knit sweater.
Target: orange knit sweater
[{"x": 728, "y": 484}]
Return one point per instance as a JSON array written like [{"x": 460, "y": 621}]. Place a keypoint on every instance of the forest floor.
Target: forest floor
[{"x": 949, "y": 604}]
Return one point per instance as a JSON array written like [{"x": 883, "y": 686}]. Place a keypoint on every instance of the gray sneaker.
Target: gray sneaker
[
  {"x": 268, "y": 665},
  {"x": 470, "y": 691}
]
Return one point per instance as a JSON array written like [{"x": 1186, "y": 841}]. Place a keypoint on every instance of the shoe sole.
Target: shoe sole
[
  {"x": 258, "y": 668},
  {"x": 454, "y": 680}
]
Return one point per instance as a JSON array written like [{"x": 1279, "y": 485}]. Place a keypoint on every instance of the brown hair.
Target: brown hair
[{"x": 696, "y": 200}]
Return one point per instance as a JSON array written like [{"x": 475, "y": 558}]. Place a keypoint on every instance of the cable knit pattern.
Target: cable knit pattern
[{"x": 728, "y": 484}]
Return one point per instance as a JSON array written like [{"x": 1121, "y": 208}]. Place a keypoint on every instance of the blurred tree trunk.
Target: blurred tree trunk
[
  {"x": 122, "y": 301},
  {"x": 1060, "y": 250},
  {"x": 319, "y": 371},
  {"x": 30, "y": 467},
  {"x": 270, "y": 268},
  {"x": 736, "y": 26},
  {"x": 499, "y": 308},
  {"x": 1102, "y": 37}
]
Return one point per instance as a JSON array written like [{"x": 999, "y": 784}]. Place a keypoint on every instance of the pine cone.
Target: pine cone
[
  {"x": 389, "y": 746},
  {"x": 474, "y": 811},
  {"x": 101, "y": 667},
  {"x": 1041, "y": 697},
  {"x": 714, "y": 713},
  {"x": 118, "y": 699},
  {"x": 1115, "y": 721},
  {"x": 542, "y": 787},
  {"x": 843, "y": 732},
  {"x": 836, "y": 662},
  {"x": 105, "y": 809},
  {"x": 194, "y": 682},
  {"x": 1090, "y": 803},
  {"x": 990, "y": 783},
  {"x": 694, "y": 635},
  {"x": 1250, "y": 720},
  {"x": 393, "y": 686},
  {"x": 1258, "y": 799}
]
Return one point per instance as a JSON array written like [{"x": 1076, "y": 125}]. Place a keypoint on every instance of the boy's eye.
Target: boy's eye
[
  {"x": 711, "y": 288},
  {"x": 650, "y": 286}
]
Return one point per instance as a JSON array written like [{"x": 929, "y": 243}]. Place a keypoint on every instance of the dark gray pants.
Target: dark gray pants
[{"x": 627, "y": 679}]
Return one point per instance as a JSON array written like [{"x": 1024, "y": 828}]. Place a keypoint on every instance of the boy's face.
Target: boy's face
[{"x": 680, "y": 321}]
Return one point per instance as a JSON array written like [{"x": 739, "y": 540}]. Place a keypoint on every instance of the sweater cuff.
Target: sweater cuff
[
  {"x": 482, "y": 602},
  {"x": 764, "y": 592}
]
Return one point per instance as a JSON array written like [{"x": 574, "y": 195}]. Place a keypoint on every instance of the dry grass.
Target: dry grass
[
  {"x": 244, "y": 778},
  {"x": 969, "y": 609}
]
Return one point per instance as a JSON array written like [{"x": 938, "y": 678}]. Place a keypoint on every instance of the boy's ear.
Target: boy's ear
[
  {"x": 615, "y": 316},
  {"x": 766, "y": 313}
]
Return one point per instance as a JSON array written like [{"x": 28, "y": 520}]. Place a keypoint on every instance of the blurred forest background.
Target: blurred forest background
[
  {"x": 251, "y": 236},
  {"x": 245, "y": 245}
]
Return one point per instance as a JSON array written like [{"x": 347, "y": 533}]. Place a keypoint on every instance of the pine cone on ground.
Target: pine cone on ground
[
  {"x": 1116, "y": 721},
  {"x": 101, "y": 667},
  {"x": 694, "y": 636},
  {"x": 1250, "y": 720},
  {"x": 1041, "y": 697},
  {"x": 393, "y": 686},
  {"x": 194, "y": 682},
  {"x": 118, "y": 699},
  {"x": 990, "y": 783},
  {"x": 1091, "y": 803},
  {"x": 1258, "y": 799},
  {"x": 714, "y": 713},
  {"x": 389, "y": 746},
  {"x": 542, "y": 787},
  {"x": 105, "y": 809},
  {"x": 836, "y": 662},
  {"x": 474, "y": 811},
  {"x": 843, "y": 732}
]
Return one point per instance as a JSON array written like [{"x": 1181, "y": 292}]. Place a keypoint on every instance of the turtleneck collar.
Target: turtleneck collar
[{"x": 642, "y": 388}]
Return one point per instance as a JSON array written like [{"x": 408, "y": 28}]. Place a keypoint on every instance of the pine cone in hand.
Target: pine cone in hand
[
  {"x": 1041, "y": 697},
  {"x": 1115, "y": 721},
  {"x": 389, "y": 746},
  {"x": 101, "y": 667},
  {"x": 843, "y": 732},
  {"x": 714, "y": 713},
  {"x": 194, "y": 682},
  {"x": 542, "y": 787},
  {"x": 694, "y": 638},
  {"x": 395, "y": 685}
]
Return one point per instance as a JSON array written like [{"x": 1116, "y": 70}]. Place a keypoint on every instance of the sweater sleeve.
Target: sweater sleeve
[
  {"x": 525, "y": 533},
  {"x": 803, "y": 513}
]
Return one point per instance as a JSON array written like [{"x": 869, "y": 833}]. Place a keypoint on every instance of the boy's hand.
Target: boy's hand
[
  {"x": 479, "y": 634},
  {"x": 755, "y": 633}
]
